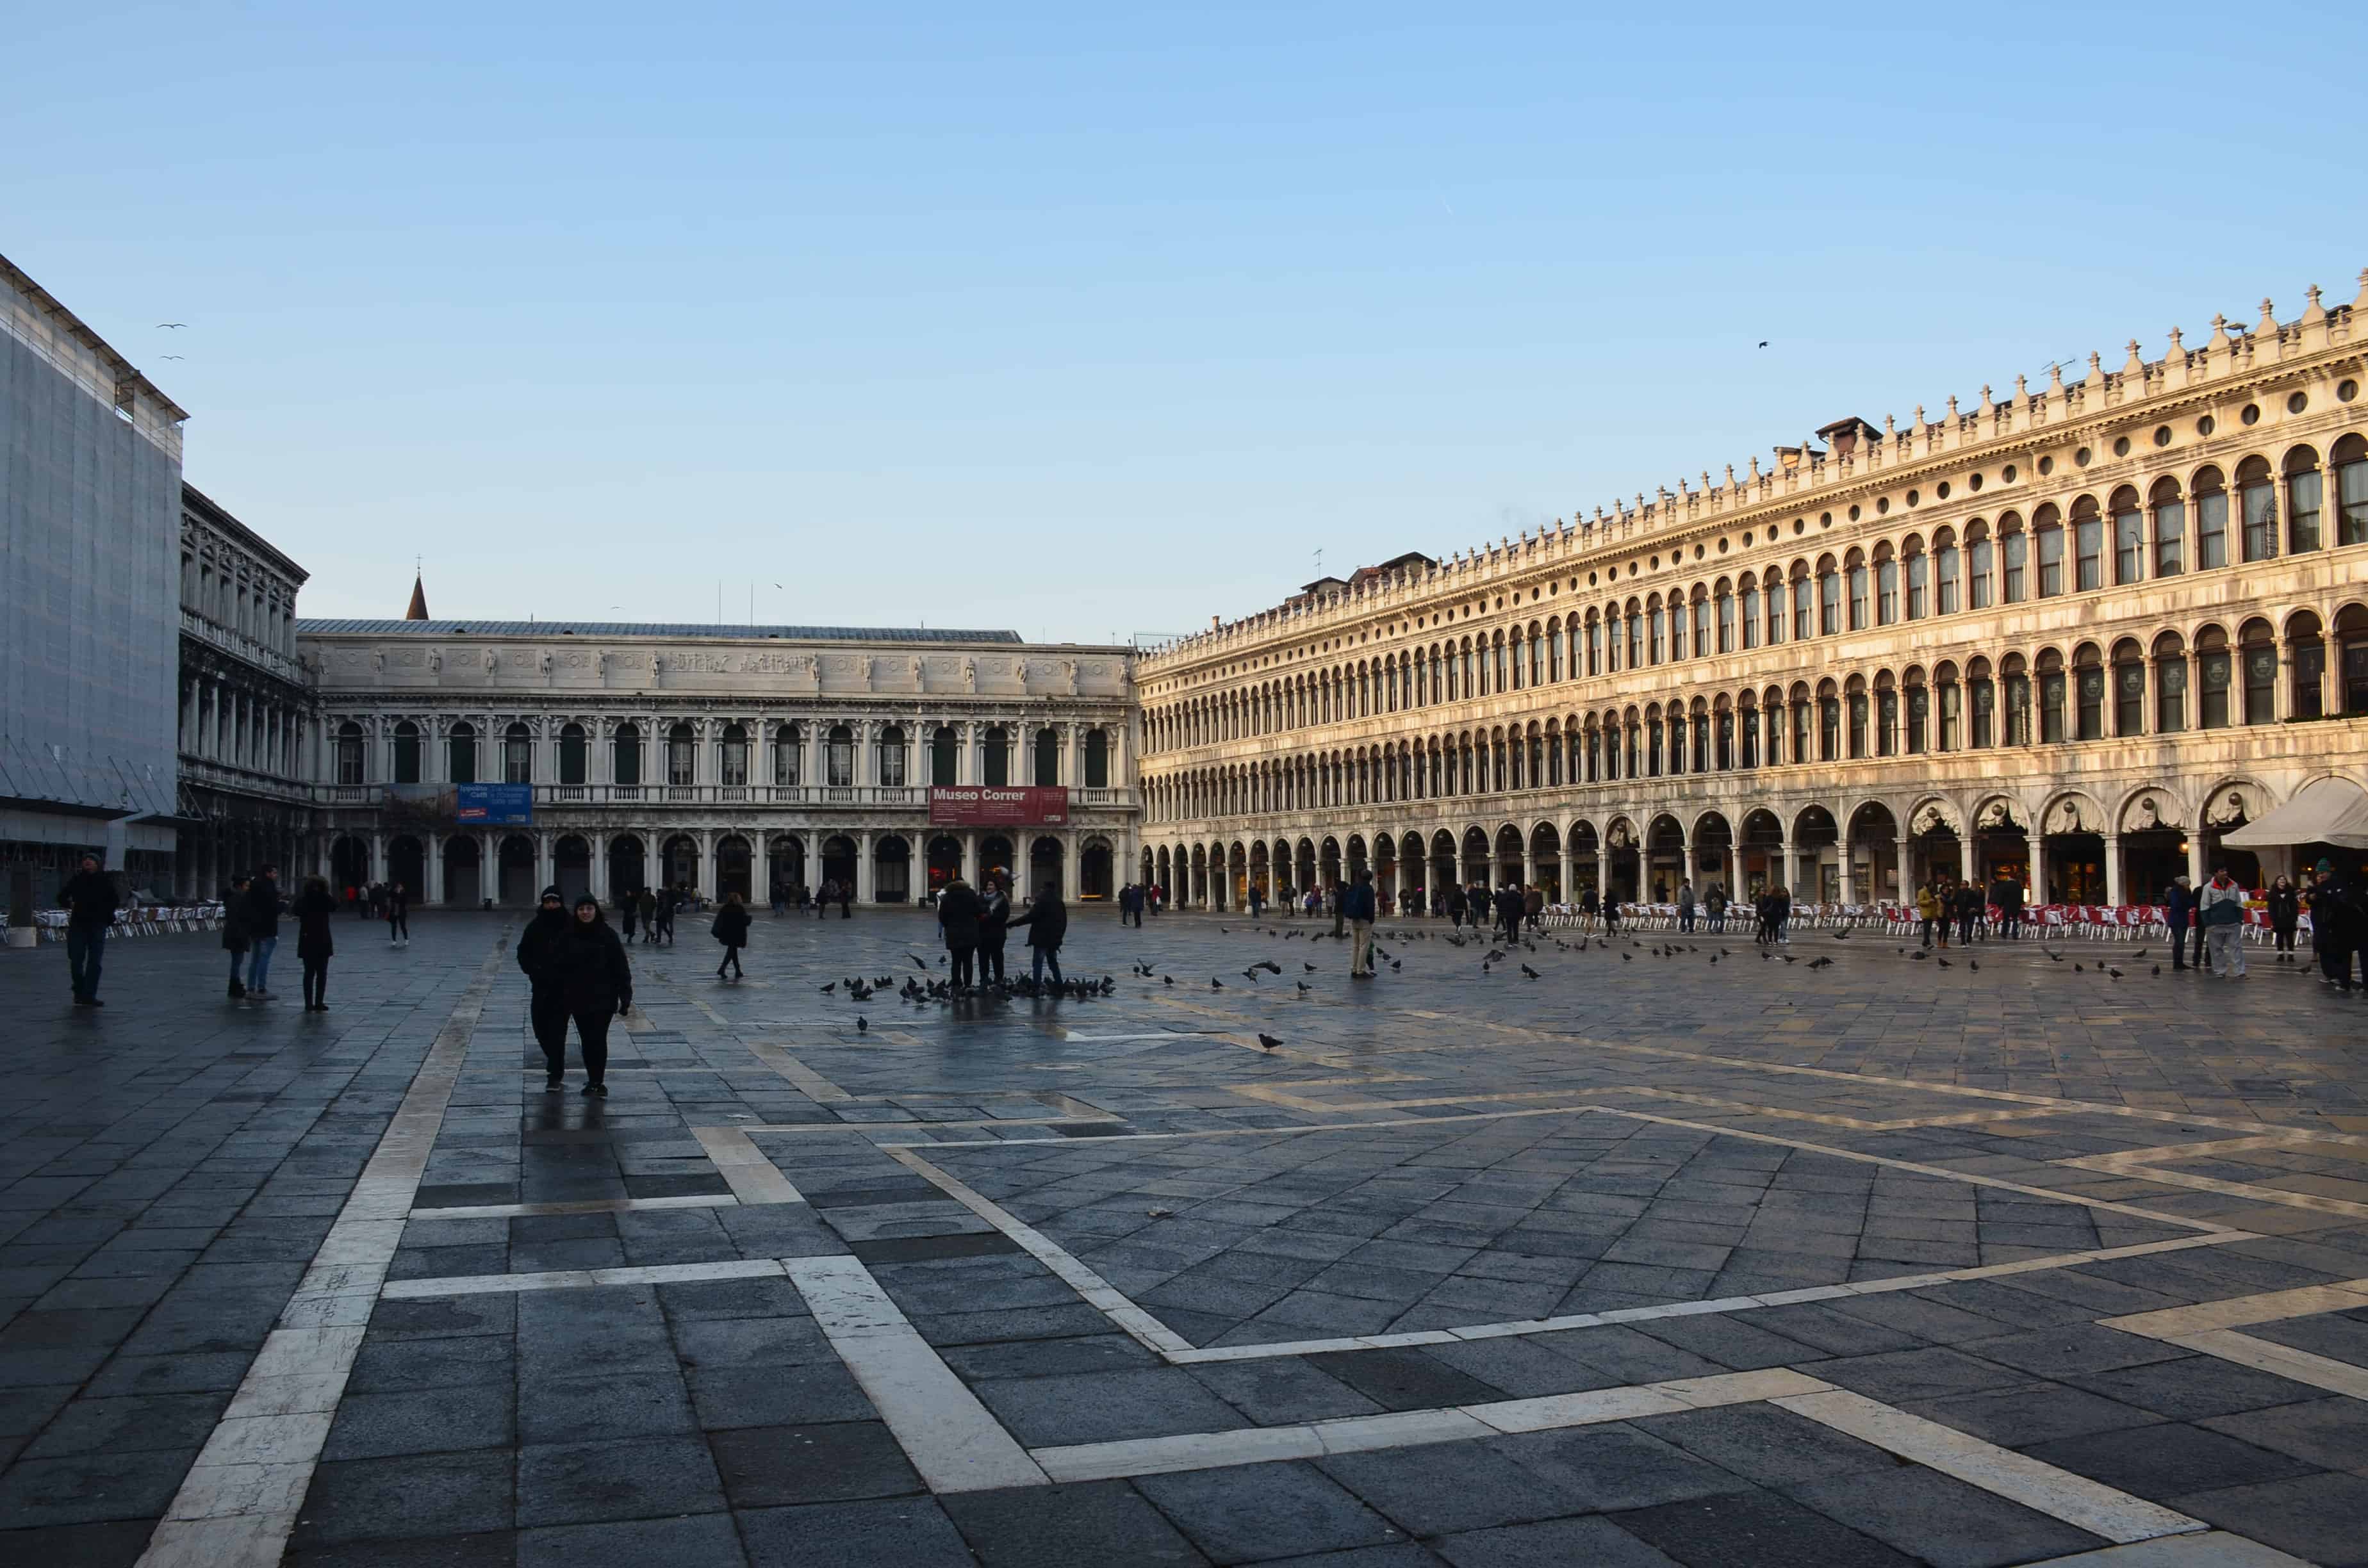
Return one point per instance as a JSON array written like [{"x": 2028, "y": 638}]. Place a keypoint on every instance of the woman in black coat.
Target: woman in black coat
[
  {"x": 313, "y": 909},
  {"x": 959, "y": 908},
  {"x": 597, "y": 985},
  {"x": 730, "y": 928},
  {"x": 233, "y": 929},
  {"x": 546, "y": 1008},
  {"x": 994, "y": 920},
  {"x": 1047, "y": 921}
]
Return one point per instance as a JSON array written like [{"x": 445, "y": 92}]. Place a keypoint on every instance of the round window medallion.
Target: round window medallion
[
  {"x": 2251, "y": 414},
  {"x": 2205, "y": 426},
  {"x": 1656, "y": 563},
  {"x": 1828, "y": 518},
  {"x": 1698, "y": 552},
  {"x": 1881, "y": 504},
  {"x": 1973, "y": 482},
  {"x": 1722, "y": 547},
  {"x": 2047, "y": 467},
  {"x": 2120, "y": 446},
  {"x": 2006, "y": 475},
  {"x": 2080, "y": 457},
  {"x": 2346, "y": 391},
  {"x": 1801, "y": 525},
  {"x": 1914, "y": 496},
  {"x": 2297, "y": 402},
  {"x": 1942, "y": 490},
  {"x": 1590, "y": 579}
]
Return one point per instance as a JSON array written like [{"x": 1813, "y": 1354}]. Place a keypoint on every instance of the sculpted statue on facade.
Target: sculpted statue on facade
[{"x": 969, "y": 674}]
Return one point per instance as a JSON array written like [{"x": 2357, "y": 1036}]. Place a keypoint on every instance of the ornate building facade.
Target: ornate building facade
[
  {"x": 725, "y": 757},
  {"x": 2071, "y": 635},
  {"x": 247, "y": 698}
]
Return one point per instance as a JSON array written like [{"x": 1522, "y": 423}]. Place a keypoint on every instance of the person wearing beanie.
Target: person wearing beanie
[
  {"x": 546, "y": 1008},
  {"x": 597, "y": 982},
  {"x": 730, "y": 928}
]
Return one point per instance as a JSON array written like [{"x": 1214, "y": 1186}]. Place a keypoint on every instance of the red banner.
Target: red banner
[{"x": 998, "y": 805}]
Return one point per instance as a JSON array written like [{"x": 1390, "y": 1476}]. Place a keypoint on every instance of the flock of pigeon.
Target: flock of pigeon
[{"x": 920, "y": 992}]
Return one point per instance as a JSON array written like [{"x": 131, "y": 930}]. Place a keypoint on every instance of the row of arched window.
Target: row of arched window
[
  {"x": 2167, "y": 685},
  {"x": 740, "y": 757},
  {"x": 2173, "y": 529}
]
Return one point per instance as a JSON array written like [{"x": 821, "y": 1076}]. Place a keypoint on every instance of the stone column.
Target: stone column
[
  {"x": 2196, "y": 869},
  {"x": 1842, "y": 847},
  {"x": 378, "y": 856},
  {"x": 709, "y": 882},
  {"x": 760, "y": 867},
  {"x": 2113, "y": 870},
  {"x": 862, "y": 866},
  {"x": 434, "y": 870},
  {"x": 546, "y": 867},
  {"x": 1783, "y": 873},
  {"x": 2038, "y": 843},
  {"x": 595, "y": 878},
  {"x": 1965, "y": 860}
]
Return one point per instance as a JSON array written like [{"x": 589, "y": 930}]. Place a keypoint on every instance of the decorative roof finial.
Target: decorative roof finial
[
  {"x": 418, "y": 609},
  {"x": 2269, "y": 322}
]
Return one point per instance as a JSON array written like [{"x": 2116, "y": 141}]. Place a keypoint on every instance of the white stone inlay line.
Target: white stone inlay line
[
  {"x": 1114, "y": 1304},
  {"x": 584, "y": 1278},
  {"x": 576, "y": 1205},
  {"x": 752, "y": 1177},
  {"x": 2284, "y": 1360},
  {"x": 954, "y": 1442},
  {"x": 2078, "y": 1501},
  {"x": 237, "y": 1505},
  {"x": 2241, "y": 1311},
  {"x": 1407, "y": 1428}
]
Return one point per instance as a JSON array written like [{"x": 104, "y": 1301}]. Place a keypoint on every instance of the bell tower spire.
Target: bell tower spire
[{"x": 418, "y": 610}]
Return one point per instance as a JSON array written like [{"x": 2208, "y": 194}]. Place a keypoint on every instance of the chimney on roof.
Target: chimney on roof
[
  {"x": 1216, "y": 622},
  {"x": 1842, "y": 436},
  {"x": 418, "y": 610}
]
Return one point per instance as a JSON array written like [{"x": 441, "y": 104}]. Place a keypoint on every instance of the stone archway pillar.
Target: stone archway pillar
[
  {"x": 2113, "y": 870},
  {"x": 434, "y": 893},
  {"x": 1842, "y": 848},
  {"x": 2197, "y": 873},
  {"x": 1965, "y": 862},
  {"x": 596, "y": 875},
  {"x": 863, "y": 889}
]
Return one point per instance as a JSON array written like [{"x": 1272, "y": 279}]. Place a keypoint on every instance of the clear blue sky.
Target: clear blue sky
[{"x": 1088, "y": 320}]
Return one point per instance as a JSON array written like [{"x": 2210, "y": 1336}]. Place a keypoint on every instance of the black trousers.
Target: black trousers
[
  {"x": 1134, "y": 915},
  {"x": 2285, "y": 938},
  {"x": 592, "y": 1029},
  {"x": 546, "y": 1011},
  {"x": 731, "y": 960},
  {"x": 964, "y": 965},
  {"x": 990, "y": 961},
  {"x": 1965, "y": 931},
  {"x": 398, "y": 924},
  {"x": 316, "y": 981}
]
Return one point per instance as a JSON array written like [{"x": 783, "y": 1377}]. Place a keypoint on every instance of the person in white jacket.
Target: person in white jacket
[{"x": 2220, "y": 912}]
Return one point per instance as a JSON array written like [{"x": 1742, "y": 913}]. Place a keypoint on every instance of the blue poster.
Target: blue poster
[{"x": 493, "y": 805}]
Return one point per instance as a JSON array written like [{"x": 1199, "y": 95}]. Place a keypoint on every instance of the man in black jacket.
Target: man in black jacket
[
  {"x": 91, "y": 902},
  {"x": 546, "y": 1008},
  {"x": 262, "y": 929}
]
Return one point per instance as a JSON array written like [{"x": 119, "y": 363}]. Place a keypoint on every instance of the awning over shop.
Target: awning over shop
[{"x": 2328, "y": 811}]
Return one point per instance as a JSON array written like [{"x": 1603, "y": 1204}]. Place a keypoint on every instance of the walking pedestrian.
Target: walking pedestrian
[
  {"x": 91, "y": 901},
  {"x": 958, "y": 913},
  {"x": 1533, "y": 906},
  {"x": 313, "y": 909},
  {"x": 1258, "y": 901},
  {"x": 234, "y": 940},
  {"x": 2178, "y": 916},
  {"x": 730, "y": 928},
  {"x": 1780, "y": 915},
  {"x": 847, "y": 898},
  {"x": 994, "y": 922},
  {"x": 1510, "y": 905},
  {"x": 398, "y": 915},
  {"x": 1359, "y": 903},
  {"x": 1715, "y": 907},
  {"x": 628, "y": 910},
  {"x": 1686, "y": 905},
  {"x": 597, "y": 980},
  {"x": 1047, "y": 921},
  {"x": 1339, "y": 918},
  {"x": 2285, "y": 917},
  {"x": 1968, "y": 901},
  {"x": 669, "y": 900},
  {"x": 1130, "y": 905},
  {"x": 1610, "y": 913},
  {"x": 823, "y": 895},
  {"x": 2221, "y": 910},
  {"x": 649, "y": 908},
  {"x": 546, "y": 1008},
  {"x": 1455, "y": 905},
  {"x": 263, "y": 908},
  {"x": 1928, "y": 914}
]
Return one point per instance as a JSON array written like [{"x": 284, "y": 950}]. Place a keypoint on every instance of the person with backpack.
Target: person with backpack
[
  {"x": 730, "y": 928},
  {"x": 2221, "y": 910}
]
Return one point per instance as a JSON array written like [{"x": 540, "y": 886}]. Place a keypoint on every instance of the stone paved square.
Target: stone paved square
[{"x": 1646, "y": 1261}]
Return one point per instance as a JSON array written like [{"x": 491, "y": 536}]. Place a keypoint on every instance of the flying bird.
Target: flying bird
[
  {"x": 1763, "y": 343},
  {"x": 169, "y": 325},
  {"x": 172, "y": 355}
]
